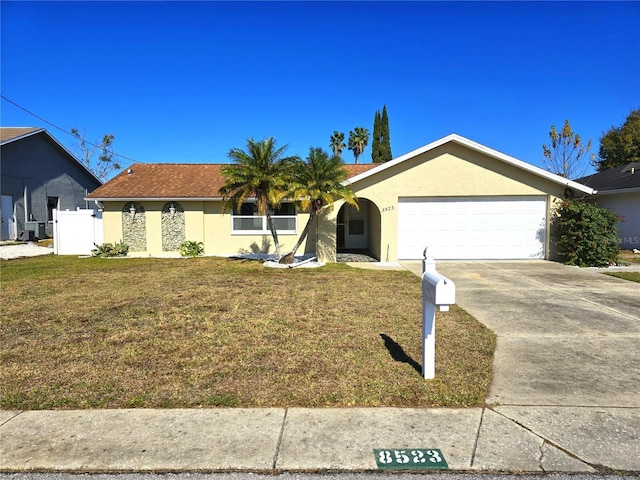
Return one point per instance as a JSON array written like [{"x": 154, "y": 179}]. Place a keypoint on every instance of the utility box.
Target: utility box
[
  {"x": 438, "y": 290},
  {"x": 39, "y": 229},
  {"x": 26, "y": 236}
]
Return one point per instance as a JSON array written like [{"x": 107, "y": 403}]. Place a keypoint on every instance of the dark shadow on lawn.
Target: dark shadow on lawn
[{"x": 398, "y": 354}]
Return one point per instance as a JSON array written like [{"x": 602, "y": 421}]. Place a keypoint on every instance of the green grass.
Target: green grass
[
  {"x": 211, "y": 332},
  {"x": 631, "y": 276}
]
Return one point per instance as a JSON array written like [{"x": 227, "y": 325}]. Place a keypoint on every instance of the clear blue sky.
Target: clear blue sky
[{"x": 187, "y": 81}]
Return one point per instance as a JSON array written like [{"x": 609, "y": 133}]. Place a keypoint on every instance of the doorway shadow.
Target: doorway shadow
[{"x": 398, "y": 354}]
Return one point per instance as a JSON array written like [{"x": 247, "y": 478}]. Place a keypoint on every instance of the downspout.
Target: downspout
[
  {"x": 25, "y": 201},
  {"x": 550, "y": 209}
]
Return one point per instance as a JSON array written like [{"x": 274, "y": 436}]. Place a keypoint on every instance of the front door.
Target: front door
[
  {"x": 351, "y": 228},
  {"x": 8, "y": 223}
]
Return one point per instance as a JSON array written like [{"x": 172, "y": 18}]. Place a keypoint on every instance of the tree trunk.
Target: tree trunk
[
  {"x": 274, "y": 234},
  {"x": 289, "y": 257}
]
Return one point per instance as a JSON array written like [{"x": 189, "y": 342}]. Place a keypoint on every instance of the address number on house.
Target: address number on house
[{"x": 410, "y": 458}]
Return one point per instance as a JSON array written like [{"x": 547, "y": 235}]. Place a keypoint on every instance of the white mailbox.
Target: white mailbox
[{"x": 438, "y": 290}]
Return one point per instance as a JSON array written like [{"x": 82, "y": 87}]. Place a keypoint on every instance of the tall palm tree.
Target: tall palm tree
[
  {"x": 318, "y": 182},
  {"x": 336, "y": 142},
  {"x": 259, "y": 172},
  {"x": 358, "y": 139}
]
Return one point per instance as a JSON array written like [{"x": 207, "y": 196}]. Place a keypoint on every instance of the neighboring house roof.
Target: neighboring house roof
[
  {"x": 187, "y": 181},
  {"x": 9, "y": 134},
  {"x": 454, "y": 138},
  {"x": 13, "y": 134},
  {"x": 615, "y": 180}
]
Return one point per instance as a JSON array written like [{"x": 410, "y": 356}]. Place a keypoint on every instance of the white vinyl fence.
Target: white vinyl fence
[{"x": 76, "y": 232}]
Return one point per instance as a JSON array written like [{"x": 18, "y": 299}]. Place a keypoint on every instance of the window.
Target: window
[
  {"x": 248, "y": 222},
  {"x": 356, "y": 227},
  {"x": 52, "y": 203}
]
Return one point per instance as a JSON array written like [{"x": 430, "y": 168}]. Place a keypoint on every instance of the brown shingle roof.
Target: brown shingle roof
[
  {"x": 7, "y": 133},
  {"x": 174, "y": 180},
  {"x": 164, "y": 180},
  {"x": 354, "y": 169}
]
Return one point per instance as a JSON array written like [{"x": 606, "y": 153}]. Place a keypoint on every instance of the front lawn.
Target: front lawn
[
  {"x": 117, "y": 333},
  {"x": 631, "y": 276}
]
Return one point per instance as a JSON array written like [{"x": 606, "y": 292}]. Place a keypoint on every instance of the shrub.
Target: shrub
[
  {"x": 120, "y": 249},
  {"x": 191, "y": 249},
  {"x": 585, "y": 235}
]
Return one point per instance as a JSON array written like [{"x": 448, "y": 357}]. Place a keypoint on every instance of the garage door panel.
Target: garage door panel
[{"x": 479, "y": 228}]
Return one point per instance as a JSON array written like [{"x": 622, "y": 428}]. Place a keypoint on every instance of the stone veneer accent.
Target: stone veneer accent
[
  {"x": 173, "y": 231},
  {"x": 134, "y": 230}
]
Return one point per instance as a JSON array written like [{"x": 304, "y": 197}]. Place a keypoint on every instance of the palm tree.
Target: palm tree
[
  {"x": 260, "y": 172},
  {"x": 358, "y": 139},
  {"x": 318, "y": 182},
  {"x": 336, "y": 142}
]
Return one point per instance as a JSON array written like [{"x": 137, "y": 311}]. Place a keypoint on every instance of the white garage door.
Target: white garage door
[{"x": 472, "y": 228}]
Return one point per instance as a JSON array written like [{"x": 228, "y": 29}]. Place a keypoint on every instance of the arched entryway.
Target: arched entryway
[{"x": 359, "y": 230}]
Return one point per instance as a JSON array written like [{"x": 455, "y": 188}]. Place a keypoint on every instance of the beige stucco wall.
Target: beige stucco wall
[
  {"x": 204, "y": 222},
  {"x": 448, "y": 171}
]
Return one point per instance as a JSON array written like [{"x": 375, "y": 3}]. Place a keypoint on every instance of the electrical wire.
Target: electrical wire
[{"x": 65, "y": 131}]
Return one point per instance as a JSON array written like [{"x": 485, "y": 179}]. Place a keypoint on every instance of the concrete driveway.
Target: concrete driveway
[{"x": 566, "y": 336}]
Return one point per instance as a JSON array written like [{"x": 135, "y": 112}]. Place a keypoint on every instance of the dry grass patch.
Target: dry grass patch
[
  {"x": 629, "y": 256},
  {"x": 115, "y": 333}
]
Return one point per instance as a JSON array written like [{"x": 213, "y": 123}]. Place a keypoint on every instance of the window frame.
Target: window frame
[{"x": 264, "y": 230}]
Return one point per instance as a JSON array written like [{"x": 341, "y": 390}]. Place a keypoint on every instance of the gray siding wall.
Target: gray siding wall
[{"x": 38, "y": 166}]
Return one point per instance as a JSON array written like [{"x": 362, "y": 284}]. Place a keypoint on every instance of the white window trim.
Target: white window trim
[{"x": 265, "y": 228}]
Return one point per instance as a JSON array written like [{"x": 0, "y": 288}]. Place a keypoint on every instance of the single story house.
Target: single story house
[
  {"x": 619, "y": 191},
  {"x": 459, "y": 198},
  {"x": 38, "y": 175}
]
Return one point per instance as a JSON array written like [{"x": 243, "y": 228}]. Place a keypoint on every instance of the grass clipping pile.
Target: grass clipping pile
[{"x": 210, "y": 332}]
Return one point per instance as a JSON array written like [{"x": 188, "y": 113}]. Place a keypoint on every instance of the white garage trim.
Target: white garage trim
[{"x": 472, "y": 227}]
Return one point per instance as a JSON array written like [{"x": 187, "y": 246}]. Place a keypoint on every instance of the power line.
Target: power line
[{"x": 65, "y": 131}]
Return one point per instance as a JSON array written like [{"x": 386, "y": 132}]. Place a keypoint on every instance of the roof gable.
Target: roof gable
[
  {"x": 185, "y": 181},
  {"x": 454, "y": 138},
  {"x": 14, "y": 134}
]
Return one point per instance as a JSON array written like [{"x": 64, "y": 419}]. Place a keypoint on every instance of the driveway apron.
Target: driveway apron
[{"x": 566, "y": 336}]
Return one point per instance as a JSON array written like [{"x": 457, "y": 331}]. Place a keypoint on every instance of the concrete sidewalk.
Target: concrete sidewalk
[
  {"x": 565, "y": 398},
  {"x": 502, "y": 439}
]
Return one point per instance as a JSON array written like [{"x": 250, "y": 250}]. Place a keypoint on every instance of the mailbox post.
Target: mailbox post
[{"x": 438, "y": 292}]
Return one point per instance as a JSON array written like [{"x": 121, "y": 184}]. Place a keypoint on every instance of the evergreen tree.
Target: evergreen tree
[
  {"x": 376, "y": 141},
  {"x": 620, "y": 145},
  {"x": 385, "y": 142}
]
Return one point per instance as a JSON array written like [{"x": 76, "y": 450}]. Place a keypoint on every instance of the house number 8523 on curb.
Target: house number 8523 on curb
[{"x": 410, "y": 458}]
